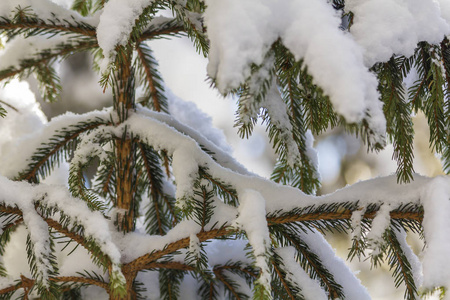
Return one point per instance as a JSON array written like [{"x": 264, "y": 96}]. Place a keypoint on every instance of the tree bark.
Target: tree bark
[{"x": 125, "y": 151}]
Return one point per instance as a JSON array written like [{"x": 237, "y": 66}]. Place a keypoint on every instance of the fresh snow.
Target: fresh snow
[
  {"x": 252, "y": 219},
  {"x": 406, "y": 22},
  {"x": 258, "y": 197},
  {"x": 310, "y": 288},
  {"x": 241, "y": 33},
  {"x": 380, "y": 223},
  {"x": 240, "y": 36},
  {"x": 116, "y": 24},
  {"x": 46, "y": 10},
  {"x": 352, "y": 288},
  {"x": 20, "y": 49}
]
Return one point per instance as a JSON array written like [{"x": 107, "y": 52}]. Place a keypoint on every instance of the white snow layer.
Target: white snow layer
[
  {"x": 242, "y": 31},
  {"x": 116, "y": 24},
  {"x": 46, "y": 10},
  {"x": 252, "y": 219},
  {"x": 21, "y": 48},
  {"x": 24, "y": 196},
  {"x": 310, "y": 288},
  {"x": 436, "y": 224},
  {"x": 387, "y": 27},
  {"x": 351, "y": 286},
  {"x": 190, "y": 115}
]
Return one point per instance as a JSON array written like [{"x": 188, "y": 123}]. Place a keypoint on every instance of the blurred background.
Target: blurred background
[{"x": 343, "y": 159}]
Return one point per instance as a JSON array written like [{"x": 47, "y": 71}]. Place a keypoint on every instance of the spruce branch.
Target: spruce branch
[
  {"x": 400, "y": 265},
  {"x": 151, "y": 79},
  {"x": 434, "y": 105},
  {"x": 230, "y": 286},
  {"x": 84, "y": 7},
  {"x": 226, "y": 191},
  {"x": 170, "y": 28},
  {"x": 169, "y": 282},
  {"x": 160, "y": 211},
  {"x": 57, "y": 149},
  {"x": 281, "y": 274},
  {"x": 46, "y": 57},
  {"x": 32, "y": 26},
  {"x": 302, "y": 175},
  {"x": 193, "y": 25},
  {"x": 398, "y": 115},
  {"x": 287, "y": 235}
]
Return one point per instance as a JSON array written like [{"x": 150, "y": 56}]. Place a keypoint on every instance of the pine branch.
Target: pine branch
[
  {"x": 29, "y": 283},
  {"x": 434, "y": 102},
  {"x": 226, "y": 191},
  {"x": 398, "y": 116},
  {"x": 303, "y": 176},
  {"x": 151, "y": 79},
  {"x": 252, "y": 94},
  {"x": 78, "y": 189},
  {"x": 230, "y": 286},
  {"x": 201, "y": 208},
  {"x": 105, "y": 178},
  {"x": 171, "y": 28},
  {"x": 49, "y": 82},
  {"x": 402, "y": 270},
  {"x": 193, "y": 25},
  {"x": 281, "y": 276},
  {"x": 46, "y": 57},
  {"x": 43, "y": 266},
  {"x": 84, "y": 7},
  {"x": 169, "y": 282},
  {"x": 32, "y": 26},
  {"x": 287, "y": 235},
  {"x": 445, "y": 53},
  {"x": 340, "y": 214},
  {"x": 57, "y": 149},
  {"x": 160, "y": 211}
]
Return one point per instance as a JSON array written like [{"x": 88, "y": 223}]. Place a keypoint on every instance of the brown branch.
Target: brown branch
[
  {"x": 146, "y": 259},
  {"x": 283, "y": 281},
  {"x": 44, "y": 26},
  {"x": 169, "y": 265},
  {"x": 90, "y": 281},
  {"x": 151, "y": 34},
  {"x": 27, "y": 283},
  {"x": 11, "y": 288},
  {"x": 10, "y": 210},
  {"x": 227, "y": 284},
  {"x": 10, "y": 225},
  {"x": 344, "y": 215}
]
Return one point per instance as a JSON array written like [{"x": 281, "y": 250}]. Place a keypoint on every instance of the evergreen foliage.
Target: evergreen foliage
[{"x": 137, "y": 171}]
